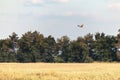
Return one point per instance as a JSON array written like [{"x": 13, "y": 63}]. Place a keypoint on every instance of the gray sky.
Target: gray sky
[{"x": 59, "y": 17}]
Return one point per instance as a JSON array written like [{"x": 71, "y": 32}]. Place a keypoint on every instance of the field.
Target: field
[{"x": 59, "y": 71}]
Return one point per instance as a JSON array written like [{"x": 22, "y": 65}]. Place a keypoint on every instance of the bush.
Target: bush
[
  {"x": 58, "y": 60},
  {"x": 88, "y": 60}
]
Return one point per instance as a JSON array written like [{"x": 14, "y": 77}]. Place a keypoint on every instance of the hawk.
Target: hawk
[{"x": 81, "y": 26}]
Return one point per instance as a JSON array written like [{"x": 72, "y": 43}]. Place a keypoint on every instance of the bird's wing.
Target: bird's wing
[{"x": 80, "y": 25}]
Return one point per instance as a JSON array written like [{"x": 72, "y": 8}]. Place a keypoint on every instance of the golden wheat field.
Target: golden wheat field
[{"x": 59, "y": 71}]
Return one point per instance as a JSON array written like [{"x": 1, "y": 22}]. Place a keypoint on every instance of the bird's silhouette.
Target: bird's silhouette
[{"x": 81, "y": 26}]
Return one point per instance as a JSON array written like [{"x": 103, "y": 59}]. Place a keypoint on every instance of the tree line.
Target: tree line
[{"x": 35, "y": 47}]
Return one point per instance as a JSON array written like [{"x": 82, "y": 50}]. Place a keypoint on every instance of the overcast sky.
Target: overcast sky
[{"x": 59, "y": 17}]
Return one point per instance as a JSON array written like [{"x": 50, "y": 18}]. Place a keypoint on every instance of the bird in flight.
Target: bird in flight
[{"x": 80, "y": 26}]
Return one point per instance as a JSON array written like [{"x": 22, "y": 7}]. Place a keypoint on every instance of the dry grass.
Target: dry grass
[{"x": 59, "y": 71}]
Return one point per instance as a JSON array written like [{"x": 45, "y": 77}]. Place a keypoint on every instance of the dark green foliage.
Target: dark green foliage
[
  {"x": 88, "y": 60},
  {"x": 34, "y": 47},
  {"x": 58, "y": 60},
  {"x": 103, "y": 47},
  {"x": 8, "y": 57}
]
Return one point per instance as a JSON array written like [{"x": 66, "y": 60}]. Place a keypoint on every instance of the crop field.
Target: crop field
[{"x": 59, "y": 71}]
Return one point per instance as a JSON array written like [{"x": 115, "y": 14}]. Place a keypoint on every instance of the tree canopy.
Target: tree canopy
[{"x": 35, "y": 47}]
